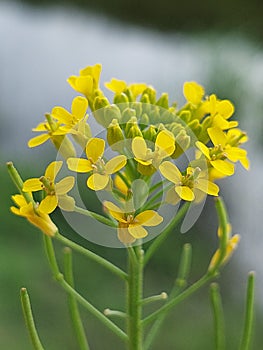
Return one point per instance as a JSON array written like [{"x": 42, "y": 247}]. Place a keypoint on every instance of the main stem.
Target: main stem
[{"x": 134, "y": 297}]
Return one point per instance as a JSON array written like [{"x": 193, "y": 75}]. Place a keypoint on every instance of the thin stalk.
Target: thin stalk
[
  {"x": 161, "y": 238},
  {"x": 30, "y": 324},
  {"x": 170, "y": 304},
  {"x": 134, "y": 297},
  {"x": 95, "y": 216},
  {"x": 249, "y": 313},
  {"x": 73, "y": 305},
  {"x": 85, "y": 303},
  {"x": 179, "y": 285},
  {"x": 108, "y": 265},
  {"x": 218, "y": 317}
]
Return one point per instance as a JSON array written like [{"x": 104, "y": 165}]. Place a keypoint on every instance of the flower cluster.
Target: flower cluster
[{"x": 146, "y": 136}]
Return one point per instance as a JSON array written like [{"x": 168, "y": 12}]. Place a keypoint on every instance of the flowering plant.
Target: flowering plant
[{"x": 149, "y": 164}]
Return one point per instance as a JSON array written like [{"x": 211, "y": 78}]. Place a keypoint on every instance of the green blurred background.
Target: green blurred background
[{"x": 163, "y": 43}]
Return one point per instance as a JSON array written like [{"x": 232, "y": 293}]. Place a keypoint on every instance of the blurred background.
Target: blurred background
[{"x": 164, "y": 44}]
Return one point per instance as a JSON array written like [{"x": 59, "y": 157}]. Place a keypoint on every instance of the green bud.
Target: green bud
[
  {"x": 99, "y": 104},
  {"x": 127, "y": 114},
  {"x": 129, "y": 94},
  {"x": 207, "y": 123},
  {"x": 154, "y": 115},
  {"x": 150, "y": 133},
  {"x": 168, "y": 116},
  {"x": 111, "y": 112},
  {"x": 151, "y": 94},
  {"x": 146, "y": 104},
  {"x": 163, "y": 101},
  {"x": 176, "y": 128},
  {"x": 115, "y": 135},
  {"x": 144, "y": 120},
  {"x": 185, "y": 116},
  {"x": 132, "y": 129},
  {"x": 121, "y": 100},
  {"x": 138, "y": 108}
]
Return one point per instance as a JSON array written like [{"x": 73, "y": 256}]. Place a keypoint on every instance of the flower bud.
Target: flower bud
[
  {"x": 137, "y": 106},
  {"x": 150, "y": 133},
  {"x": 111, "y": 112},
  {"x": 185, "y": 116},
  {"x": 144, "y": 120},
  {"x": 121, "y": 100},
  {"x": 163, "y": 101},
  {"x": 127, "y": 114},
  {"x": 115, "y": 135},
  {"x": 99, "y": 104},
  {"x": 132, "y": 129},
  {"x": 151, "y": 94}
]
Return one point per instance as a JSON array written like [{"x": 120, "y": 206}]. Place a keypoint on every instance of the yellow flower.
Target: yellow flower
[
  {"x": 94, "y": 162},
  {"x": 33, "y": 215},
  {"x": 119, "y": 86},
  {"x": 150, "y": 160},
  {"x": 187, "y": 186},
  {"x": 68, "y": 120},
  {"x": 232, "y": 243},
  {"x": 221, "y": 151},
  {"x": 220, "y": 111},
  {"x": 130, "y": 225},
  {"x": 193, "y": 92},
  {"x": 48, "y": 133},
  {"x": 56, "y": 193},
  {"x": 88, "y": 80}
]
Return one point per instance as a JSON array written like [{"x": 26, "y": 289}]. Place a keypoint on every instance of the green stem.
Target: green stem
[
  {"x": 73, "y": 306},
  {"x": 25, "y": 301},
  {"x": 179, "y": 285},
  {"x": 249, "y": 313},
  {"x": 16, "y": 178},
  {"x": 161, "y": 238},
  {"x": 86, "y": 304},
  {"x": 170, "y": 304},
  {"x": 108, "y": 265},
  {"x": 218, "y": 316},
  {"x": 134, "y": 297},
  {"x": 96, "y": 216}
]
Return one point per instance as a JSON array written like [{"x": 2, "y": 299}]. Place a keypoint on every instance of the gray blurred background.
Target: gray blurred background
[{"x": 164, "y": 44}]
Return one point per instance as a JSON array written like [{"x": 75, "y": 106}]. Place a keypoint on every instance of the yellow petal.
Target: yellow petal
[
  {"x": 234, "y": 153},
  {"x": 120, "y": 184},
  {"x": 225, "y": 108},
  {"x": 139, "y": 148},
  {"x": 95, "y": 149},
  {"x": 207, "y": 187},
  {"x": 144, "y": 162},
  {"x": 172, "y": 197},
  {"x": 64, "y": 185},
  {"x": 193, "y": 92},
  {"x": 223, "y": 166},
  {"x": 79, "y": 165},
  {"x": 137, "y": 231},
  {"x": 32, "y": 185},
  {"x": 79, "y": 107},
  {"x": 38, "y": 140},
  {"x": 53, "y": 169},
  {"x": 203, "y": 149},
  {"x": 93, "y": 71},
  {"x": 148, "y": 218},
  {"x": 66, "y": 203},
  {"x": 185, "y": 193},
  {"x": 61, "y": 114},
  {"x": 115, "y": 85},
  {"x": 15, "y": 211},
  {"x": 115, "y": 211},
  {"x": 217, "y": 136},
  {"x": 220, "y": 122},
  {"x": 84, "y": 84},
  {"x": 48, "y": 204},
  {"x": 124, "y": 236},
  {"x": 170, "y": 172},
  {"x": 166, "y": 142},
  {"x": 137, "y": 88},
  {"x": 19, "y": 200},
  {"x": 115, "y": 164},
  {"x": 245, "y": 163},
  {"x": 98, "y": 182},
  {"x": 40, "y": 127}
]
